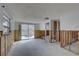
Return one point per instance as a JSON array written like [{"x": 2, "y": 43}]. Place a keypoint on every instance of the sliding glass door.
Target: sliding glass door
[
  {"x": 24, "y": 31},
  {"x": 27, "y": 31},
  {"x": 31, "y": 31}
]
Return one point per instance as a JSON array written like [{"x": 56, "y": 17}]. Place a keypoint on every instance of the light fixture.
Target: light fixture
[
  {"x": 3, "y": 6},
  {"x": 46, "y": 18}
]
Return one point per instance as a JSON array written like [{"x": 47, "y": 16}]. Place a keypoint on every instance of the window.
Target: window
[{"x": 6, "y": 25}]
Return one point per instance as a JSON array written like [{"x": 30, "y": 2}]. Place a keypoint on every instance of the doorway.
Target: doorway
[
  {"x": 52, "y": 31},
  {"x": 27, "y": 31}
]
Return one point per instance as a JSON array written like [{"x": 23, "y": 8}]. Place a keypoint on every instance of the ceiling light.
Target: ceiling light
[{"x": 46, "y": 18}]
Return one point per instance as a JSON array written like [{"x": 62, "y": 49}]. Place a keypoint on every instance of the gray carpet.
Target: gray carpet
[
  {"x": 37, "y": 47},
  {"x": 74, "y": 47}
]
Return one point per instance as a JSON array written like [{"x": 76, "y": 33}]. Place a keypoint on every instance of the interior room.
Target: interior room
[{"x": 39, "y": 29}]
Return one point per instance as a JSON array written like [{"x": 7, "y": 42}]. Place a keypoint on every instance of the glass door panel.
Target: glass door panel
[
  {"x": 31, "y": 31},
  {"x": 24, "y": 31},
  {"x": 27, "y": 31}
]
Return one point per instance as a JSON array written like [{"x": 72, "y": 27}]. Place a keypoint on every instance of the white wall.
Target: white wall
[
  {"x": 70, "y": 21},
  {"x": 37, "y": 27},
  {"x": 16, "y": 24},
  {"x": 7, "y": 12},
  {"x": 1, "y": 28},
  {"x": 42, "y": 26},
  {"x": 28, "y": 20}
]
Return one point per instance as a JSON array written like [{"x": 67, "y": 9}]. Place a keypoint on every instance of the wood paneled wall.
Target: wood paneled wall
[
  {"x": 5, "y": 43},
  {"x": 17, "y": 35},
  {"x": 54, "y": 36},
  {"x": 0, "y": 41},
  {"x": 40, "y": 33},
  {"x": 68, "y": 37}
]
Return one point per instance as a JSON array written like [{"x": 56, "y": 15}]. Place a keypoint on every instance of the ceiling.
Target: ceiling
[{"x": 38, "y": 11}]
